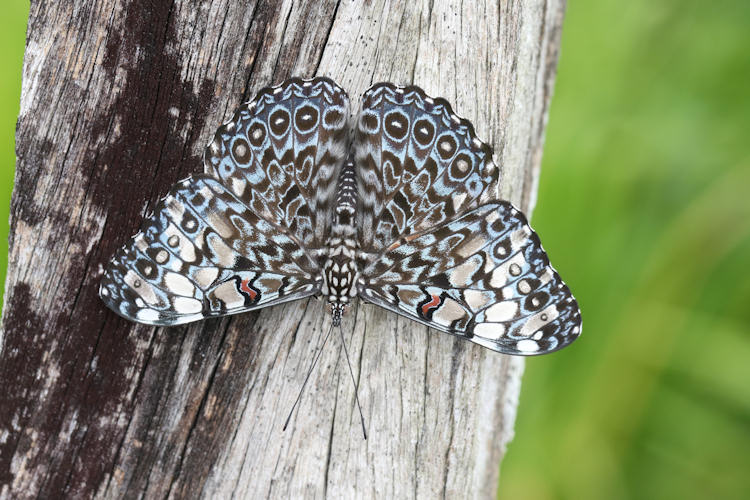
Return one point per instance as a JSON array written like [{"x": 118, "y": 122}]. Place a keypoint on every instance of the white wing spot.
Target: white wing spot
[
  {"x": 458, "y": 200},
  {"x": 161, "y": 256},
  {"x": 536, "y": 321},
  {"x": 502, "y": 311},
  {"x": 179, "y": 284},
  {"x": 490, "y": 330},
  {"x": 462, "y": 165},
  {"x": 527, "y": 345},
  {"x": 476, "y": 299},
  {"x": 515, "y": 269},
  {"x": 185, "y": 305},
  {"x": 148, "y": 315},
  {"x": 206, "y": 276}
]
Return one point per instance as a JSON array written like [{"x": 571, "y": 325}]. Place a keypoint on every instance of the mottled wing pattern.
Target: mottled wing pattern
[
  {"x": 204, "y": 253},
  {"x": 418, "y": 165},
  {"x": 281, "y": 154},
  {"x": 251, "y": 233},
  {"x": 434, "y": 246},
  {"x": 483, "y": 276}
]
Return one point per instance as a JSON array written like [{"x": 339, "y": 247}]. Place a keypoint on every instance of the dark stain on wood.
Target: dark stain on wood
[
  {"x": 88, "y": 348},
  {"x": 17, "y": 371}
]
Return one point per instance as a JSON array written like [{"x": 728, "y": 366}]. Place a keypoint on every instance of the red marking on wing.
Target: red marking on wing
[
  {"x": 433, "y": 303},
  {"x": 245, "y": 288}
]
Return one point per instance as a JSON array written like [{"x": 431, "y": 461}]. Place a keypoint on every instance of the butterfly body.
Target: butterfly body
[
  {"x": 405, "y": 218},
  {"x": 340, "y": 271}
]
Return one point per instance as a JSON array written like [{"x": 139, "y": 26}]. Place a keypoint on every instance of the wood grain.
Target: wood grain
[{"x": 119, "y": 99}]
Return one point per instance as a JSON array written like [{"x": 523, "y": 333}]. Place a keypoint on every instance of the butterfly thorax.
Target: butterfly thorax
[{"x": 340, "y": 272}]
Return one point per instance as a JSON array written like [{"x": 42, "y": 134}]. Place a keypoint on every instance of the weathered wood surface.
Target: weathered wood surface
[{"x": 119, "y": 99}]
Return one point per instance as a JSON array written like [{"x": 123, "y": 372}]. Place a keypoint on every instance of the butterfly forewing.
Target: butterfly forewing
[
  {"x": 251, "y": 233},
  {"x": 418, "y": 165},
  {"x": 281, "y": 154}
]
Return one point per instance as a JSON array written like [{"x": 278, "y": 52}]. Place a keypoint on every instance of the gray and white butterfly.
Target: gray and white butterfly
[{"x": 404, "y": 218}]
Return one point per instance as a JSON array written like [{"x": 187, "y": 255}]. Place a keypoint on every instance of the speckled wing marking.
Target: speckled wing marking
[
  {"x": 204, "y": 253},
  {"x": 252, "y": 232},
  {"x": 281, "y": 154},
  {"x": 483, "y": 276},
  {"x": 418, "y": 165}
]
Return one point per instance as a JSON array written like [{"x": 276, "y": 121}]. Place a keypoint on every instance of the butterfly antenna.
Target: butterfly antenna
[
  {"x": 315, "y": 361},
  {"x": 356, "y": 389}
]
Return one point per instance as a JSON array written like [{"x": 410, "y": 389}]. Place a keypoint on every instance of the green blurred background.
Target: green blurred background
[
  {"x": 644, "y": 206},
  {"x": 12, "y": 41}
]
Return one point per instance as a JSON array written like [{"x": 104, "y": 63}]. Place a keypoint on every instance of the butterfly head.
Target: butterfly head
[{"x": 338, "y": 309}]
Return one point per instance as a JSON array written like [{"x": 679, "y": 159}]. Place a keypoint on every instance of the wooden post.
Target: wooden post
[{"x": 119, "y": 99}]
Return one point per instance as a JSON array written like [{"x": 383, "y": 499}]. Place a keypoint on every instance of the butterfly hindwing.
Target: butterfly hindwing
[
  {"x": 418, "y": 165},
  {"x": 204, "y": 253},
  {"x": 483, "y": 276}
]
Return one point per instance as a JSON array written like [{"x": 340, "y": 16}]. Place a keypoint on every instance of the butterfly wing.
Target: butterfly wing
[
  {"x": 281, "y": 154},
  {"x": 251, "y": 232},
  {"x": 418, "y": 165},
  {"x": 435, "y": 248},
  {"x": 483, "y": 276}
]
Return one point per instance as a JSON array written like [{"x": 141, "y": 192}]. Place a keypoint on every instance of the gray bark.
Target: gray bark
[{"x": 119, "y": 99}]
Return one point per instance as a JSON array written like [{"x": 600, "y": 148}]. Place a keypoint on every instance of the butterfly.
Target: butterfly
[{"x": 404, "y": 217}]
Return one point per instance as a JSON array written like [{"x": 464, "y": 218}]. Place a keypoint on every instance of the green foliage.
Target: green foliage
[{"x": 644, "y": 209}]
